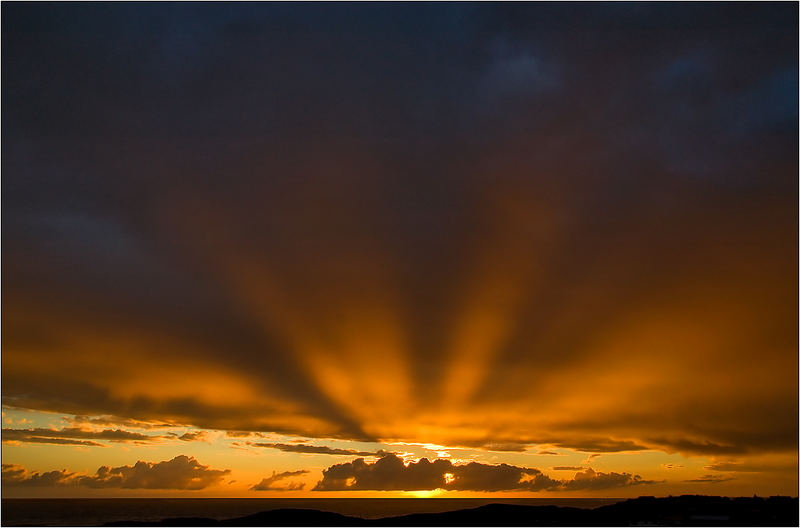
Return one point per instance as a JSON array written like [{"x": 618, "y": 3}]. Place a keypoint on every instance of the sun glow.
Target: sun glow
[{"x": 426, "y": 494}]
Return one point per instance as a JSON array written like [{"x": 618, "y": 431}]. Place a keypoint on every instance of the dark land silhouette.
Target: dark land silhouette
[{"x": 685, "y": 510}]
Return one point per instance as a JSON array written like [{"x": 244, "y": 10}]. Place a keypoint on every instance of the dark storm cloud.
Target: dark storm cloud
[
  {"x": 390, "y": 473},
  {"x": 268, "y": 483},
  {"x": 419, "y": 206},
  {"x": 54, "y": 436},
  {"x": 318, "y": 450},
  {"x": 180, "y": 473}
]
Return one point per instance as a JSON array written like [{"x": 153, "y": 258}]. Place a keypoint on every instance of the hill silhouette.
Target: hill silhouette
[{"x": 685, "y": 510}]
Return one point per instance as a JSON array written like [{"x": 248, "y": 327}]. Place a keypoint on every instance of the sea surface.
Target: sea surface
[{"x": 96, "y": 512}]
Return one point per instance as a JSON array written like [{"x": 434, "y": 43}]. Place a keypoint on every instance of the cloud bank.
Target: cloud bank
[
  {"x": 180, "y": 473},
  {"x": 593, "y": 207},
  {"x": 390, "y": 473},
  {"x": 70, "y": 436}
]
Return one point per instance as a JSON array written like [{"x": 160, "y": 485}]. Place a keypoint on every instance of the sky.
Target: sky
[{"x": 390, "y": 250}]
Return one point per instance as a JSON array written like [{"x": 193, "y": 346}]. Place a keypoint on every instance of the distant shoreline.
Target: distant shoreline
[
  {"x": 98, "y": 511},
  {"x": 686, "y": 510}
]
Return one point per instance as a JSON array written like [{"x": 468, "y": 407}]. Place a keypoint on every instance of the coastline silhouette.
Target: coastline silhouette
[{"x": 684, "y": 510}]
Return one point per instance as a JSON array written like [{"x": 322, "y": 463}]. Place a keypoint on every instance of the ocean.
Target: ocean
[{"x": 96, "y": 512}]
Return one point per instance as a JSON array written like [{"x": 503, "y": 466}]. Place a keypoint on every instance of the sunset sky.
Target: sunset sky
[{"x": 378, "y": 250}]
